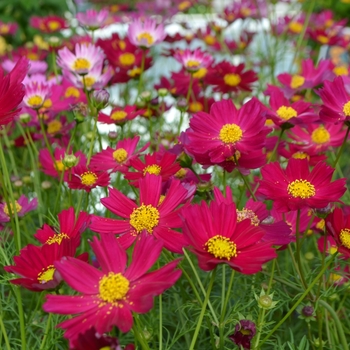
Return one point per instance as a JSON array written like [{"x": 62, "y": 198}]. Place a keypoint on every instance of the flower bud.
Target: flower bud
[
  {"x": 265, "y": 301},
  {"x": 80, "y": 112},
  {"x": 25, "y": 118},
  {"x": 100, "y": 99},
  {"x": 308, "y": 311},
  {"x": 70, "y": 160},
  {"x": 146, "y": 96},
  {"x": 46, "y": 185},
  {"x": 112, "y": 135},
  {"x": 54, "y": 41},
  {"x": 162, "y": 92},
  {"x": 182, "y": 105},
  {"x": 245, "y": 330}
]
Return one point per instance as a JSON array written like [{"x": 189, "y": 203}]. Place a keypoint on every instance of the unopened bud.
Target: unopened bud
[
  {"x": 46, "y": 185},
  {"x": 25, "y": 118},
  {"x": 162, "y": 92},
  {"x": 112, "y": 135},
  {"x": 100, "y": 98},
  {"x": 70, "y": 160}
]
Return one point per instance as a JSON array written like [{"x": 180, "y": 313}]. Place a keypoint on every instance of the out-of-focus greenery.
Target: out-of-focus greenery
[{"x": 340, "y": 8}]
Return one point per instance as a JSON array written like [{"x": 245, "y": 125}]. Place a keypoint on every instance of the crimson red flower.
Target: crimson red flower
[
  {"x": 229, "y": 78},
  {"x": 48, "y": 24},
  {"x": 297, "y": 187},
  {"x": 35, "y": 265},
  {"x": 226, "y": 132},
  {"x": 338, "y": 226},
  {"x": 156, "y": 215},
  {"x": 70, "y": 228},
  {"x": 118, "y": 158},
  {"x": 12, "y": 91},
  {"x": 120, "y": 115},
  {"x": 85, "y": 179},
  {"x": 216, "y": 237},
  {"x": 163, "y": 165},
  {"x": 245, "y": 331},
  {"x": 110, "y": 295}
]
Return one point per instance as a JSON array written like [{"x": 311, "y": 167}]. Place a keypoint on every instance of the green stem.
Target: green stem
[
  {"x": 204, "y": 306},
  {"x": 92, "y": 142},
  {"x": 138, "y": 333},
  {"x": 3, "y": 330},
  {"x": 160, "y": 323},
  {"x": 273, "y": 154},
  {"x": 143, "y": 59},
  {"x": 337, "y": 322},
  {"x": 48, "y": 325},
  {"x": 342, "y": 147},
  {"x": 278, "y": 325}
]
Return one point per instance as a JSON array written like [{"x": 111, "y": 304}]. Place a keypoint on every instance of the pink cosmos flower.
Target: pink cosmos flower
[
  {"x": 156, "y": 215},
  {"x": 193, "y": 61},
  {"x": 145, "y": 33},
  {"x": 48, "y": 24},
  {"x": 36, "y": 94},
  {"x": 120, "y": 115},
  {"x": 8, "y": 28},
  {"x": 23, "y": 206},
  {"x": 86, "y": 57},
  {"x": 216, "y": 237},
  {"x": 110, "y": 295},
  {"x": 34, "y": 66},
  {"x": 93, "y": 19},
  {"x": 297, "y": 187},
  {"x": 12, "y": 91},
  {"x": 117, "y": 159}
]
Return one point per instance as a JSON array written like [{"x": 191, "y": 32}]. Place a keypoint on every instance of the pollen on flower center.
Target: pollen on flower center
[
  {"x": 72, "y": 91},
  {"x": 300, "y": 155},
  {"x": 232, "y": 79},
  {"x": 340, "y": 70},
  {"x": 301, "y": 189},
  {"x": 35, "y": 101},
  {"x": 120, "y": 155},
  {"x": 152, "y": 169},
  {"x": 118, "y": 115},
  {"x": 7, "y": 211},
  {"x": 54, "y": 127},
  {"x": 322, "y": 39},
  {"x": 247, "y": 214},
  {"x": 145, "y": 217},
  {"x": 295, "y": 27},
  {"x": 320, "y": 135},
  {"x": 286, "y": 113},
  {"x": 81, "y": 64},
  {"x": 181, "y": 173},
  {"x": 88, "y": 81},
  {"x": 88, "y": 178},
  {"x": 201, "y": 73},
  {"x": 145, "y": 37},
  {"x": 46, "y": 275},
  {"x": 345, "y": 237},
  {"x": 230, "y": 133},
  {"x": 221, "y": 247},
  {"x": 113, "y": 287},
  {"x": 53, "y": 25},
  {"x": 297, "y": 81},
  {"x": 346, "y": 109},
  {"x": 57, "y": 238},
  {"x": 127, "y": 59},
  {"x": 192, "y": 63},
  {"x": 59, "y": 165}
]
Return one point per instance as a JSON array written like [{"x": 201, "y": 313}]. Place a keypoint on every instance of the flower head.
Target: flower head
[
  {"x": 36, "y": 93},
  {"x": 110, "y": 295},
  {"x": 48, "y": 24},
  {"x": 145, "y": 33},
  {"x": 245, "y": 330},
  {"x": 297, "y": 187},
  {"x": 22, "y": 206},
  {"x": 193, "y": 61},
  {"x": 93, "y": 19}
]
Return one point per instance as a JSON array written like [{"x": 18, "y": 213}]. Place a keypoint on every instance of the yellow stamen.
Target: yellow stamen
[
  {"x": 72, "y": 91},
  {"x": 301, "y": 189},
  {"x": 127, "y": 59},
  {"x": 232, "y": 79},
  {"x": 286, "y": 113},
  {"x": 113, "y": 287},
  {"x": 35, "y": 101},
  {"x": 247, "y": 214},
  {"x": 221, "y": 247},
  {"x": 118, "y": 115},
  {"x": 54, "y": 127},
  {"x": 297, "y": 81},
  {"x": 120, "y": 155},
  {"x": 346, "y": 109},
  {"x": 145, "y": 37},
  {"x": 152, "y": 169},
  {"x": 46, "y": 275},
  {"x": 88, "y": 178},
  {"x": 320, "y": 135},
  {"x": 8, "y": 210},
  {"x": 57, "y": 238},
  {"x": 145, "y": 217},
  {"x": 345, "y": 237},
  {"x": 230, "y": 133},
  {"x": 81, "y": 64}
]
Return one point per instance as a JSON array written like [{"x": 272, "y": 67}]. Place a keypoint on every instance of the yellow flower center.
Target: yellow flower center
[
  {"x": 145, "y": 217},
  {"x": 59, "y": 165},
  {"x": 195, "y": 107},
  {"x": 245, "y": 331},
  {"x": 340, "y": 70},
  {"x": 345, "y": 237},
  {"x": 245, "y": 11},
  {"x": 247, "y": 214},
  {"x": 81, "y": 64},
  {"x": 320, "y": 225},
  {"x": 300, "y": 155},
  {"x": 201, "y": 73},
  {"x": 35, "y": 101},
  {"x": 320, "y": 135},
  {"x": 297, "y": 81},
  {"x": 335, "y": 277},
  {"x": 192, "y": 63},
  {"x": 32, "y": 56},
  {"x": 88, "y": 178},
  {"x": 4, "y": 29},
  {"x": 161, "y": 199},
  {"x": 127, "y": 59},
  {"x": 295, "y": 27},
  {"x": 53, "y": 25},
  {"x": 332, "y": 250},
  {"x": 46, "y": 275},
  {"x": 145, "y": 37},
  {"x": 286, "y": 113},
  {"x": 181, "y": 173},
  {"x": 322, "y": 39},
  {"x": 209, "y": 39},
  {"x": 120, "y": 155},
  {"x": 54, "y": 127},
  {"x": 118, "y": 115},
  {"x": 235, "y": 157},
  {"x": 152, "y": 169},
  {"x": 134, "y": 72},
  {"x": 72, "y": 91},
  {"x": 232, "y": 79},
  {"x": 106, "y": 348},
  {"x": 47, "y": 103},
  {"x": 221, "y": 247},
  {"x": 89, "y": 81},
  {"x": 8, "y": 210},
  {"x": 346, "y": 109},
  {"x": 301, "y": 189},
  {"x": 184, "y": 5},
  {"x": 57, "y": 238},
  {"x": 230, "y": 133},
  {"x": 113, "y": 287}
]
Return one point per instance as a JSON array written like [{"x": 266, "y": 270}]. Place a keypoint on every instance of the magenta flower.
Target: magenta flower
[
  {"x": 23, "y": 206},
  {"x": 146, "y": 33},
  {"x": 93, "y": 19},
  {"x": 110, "y": 295},
  {"x": 193, "y": 61}
]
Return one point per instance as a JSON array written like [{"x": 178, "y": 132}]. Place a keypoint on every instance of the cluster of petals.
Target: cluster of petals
[
  {"x": 297, "y": 187},
  {"x": 93, "y": 19},
  {"x": 22, "y": 206},
  {"x": 155, "y": 214},
  {"x": 110, "y": 295},
  {"x": 192, "y": 61}
]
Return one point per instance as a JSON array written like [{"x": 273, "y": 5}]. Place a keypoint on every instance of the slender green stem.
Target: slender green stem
[
  {"x": 273, "y": 153},
  {"x": 341, "y": 147},
  {"x": 3, "y": 330},
  {"x": 204, "y": 306},
  {"x": 94, "y": 132},
  {"x": 10, "y": 153},
  {"x": 160, "y": 323},
  {"x": 247, "y": 185},
  {"x": 138, "y": 333},
  {"x": 201, "y": 286},
  {"x": 143, "y": 59},
  {"x": 302, "y": 297},
  {"x": 338, "y": 323},
  {"x": 48, "y": 325}
]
